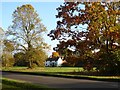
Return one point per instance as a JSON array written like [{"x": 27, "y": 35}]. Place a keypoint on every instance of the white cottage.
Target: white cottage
[{"x": 53, "y": 62}]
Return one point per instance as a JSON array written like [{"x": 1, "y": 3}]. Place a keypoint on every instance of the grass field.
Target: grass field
[
  {"x": 11, "y": 84},
  {"x": 64, "y": 71},
  {"x": 45, "y": 69}
]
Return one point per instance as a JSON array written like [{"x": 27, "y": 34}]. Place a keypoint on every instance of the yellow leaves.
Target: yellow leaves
[
  {"x": 29, "y": 6},
  {"x": 113, "y": 12},
  {"x": 37, "y": 21},
  {"x": 22, "y": 9},
  {"x": 93, "y": 7},
  {"x": 117, "y": 12},
  {"x": 32, "y": 26},
  {"x": 113, "y": 29},
  {"x": 25, "y": 7},
  {"x": 55, "y": 54}
]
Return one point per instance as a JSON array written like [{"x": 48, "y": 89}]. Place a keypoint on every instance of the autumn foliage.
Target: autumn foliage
[
  {"x": 26, "y": 31},
  {"x": 88, "y": 27},
  {"x": 55, "y": 54}
]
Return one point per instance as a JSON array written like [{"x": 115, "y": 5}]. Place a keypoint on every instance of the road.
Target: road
[{"x": 55, "y": 82}]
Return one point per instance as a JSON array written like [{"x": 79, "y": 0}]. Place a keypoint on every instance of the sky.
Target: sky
[{"x": 46, "y": 11}]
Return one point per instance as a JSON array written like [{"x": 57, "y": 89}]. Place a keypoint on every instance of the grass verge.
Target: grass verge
[{"x": 11, "y": 84}]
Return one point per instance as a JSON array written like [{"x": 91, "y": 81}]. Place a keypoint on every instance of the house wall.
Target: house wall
[
  {"x": 54, "y": 63},
  {"x": 59, "y": 62},
  {"x": 47, "y": 63}
]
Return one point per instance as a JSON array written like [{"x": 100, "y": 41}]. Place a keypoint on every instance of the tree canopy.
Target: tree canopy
[
  {"x": 88, "y": 27},
  {"x": 27, "y": 28}
]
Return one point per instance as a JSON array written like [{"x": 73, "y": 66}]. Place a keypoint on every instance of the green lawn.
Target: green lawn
[
  {"x": 60, "y": 71},
  {"x": 45, "y": 69},
  {"x": 5, "y": 87},
  {"x": 11, "y": 84}
]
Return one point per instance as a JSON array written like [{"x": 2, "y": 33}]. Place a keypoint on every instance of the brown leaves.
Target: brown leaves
[
  {"x": 100, "y": 18},
  {"x": 57, "y": 33}
]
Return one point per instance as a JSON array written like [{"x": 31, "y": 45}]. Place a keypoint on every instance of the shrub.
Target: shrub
[{"x": 108, "y": 63}]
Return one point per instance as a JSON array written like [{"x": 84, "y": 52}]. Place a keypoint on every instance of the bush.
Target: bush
[
  {"x": 35, "y": 56},
  {"x": 108, "y": 63},
  {"x": 88, "y": 63},
  {"x": 7, "y": 60},
  {"x": 20, "y": 59}
]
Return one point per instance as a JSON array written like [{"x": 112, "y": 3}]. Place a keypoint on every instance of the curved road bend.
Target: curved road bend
[{"x": 55, "y": 82}]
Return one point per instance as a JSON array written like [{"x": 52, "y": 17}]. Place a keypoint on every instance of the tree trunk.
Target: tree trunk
[
  {"x": 30, "y": 64},
  {"x": 30, "y": 61},
  {"x": 107, "y": 49}
]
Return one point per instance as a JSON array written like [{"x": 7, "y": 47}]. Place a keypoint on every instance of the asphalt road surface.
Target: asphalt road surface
[{"x": 65, "y": 83}]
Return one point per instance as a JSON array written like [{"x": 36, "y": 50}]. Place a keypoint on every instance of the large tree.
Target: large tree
[
  {"x": 88, "y": 26},
  {"x": 27, "y": 30}
]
